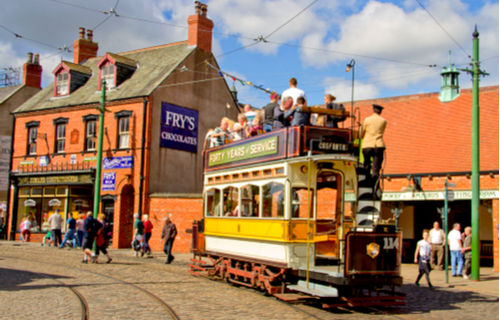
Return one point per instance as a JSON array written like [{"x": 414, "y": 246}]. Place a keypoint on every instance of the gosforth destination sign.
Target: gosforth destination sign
[{"x": 245, "y": 151}]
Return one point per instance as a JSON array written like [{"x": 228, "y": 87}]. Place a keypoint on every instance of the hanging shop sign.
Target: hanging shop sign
[
  {"x": 55, "y": 203},
  {"x": 30, "y": 203},
  {"x": 438, "y": 195},
  {"x": 108, "y": 181},
  {"x": 179, "y": 128},
  {"x": 66, "y": 179},
  {"x": 118, "y": 162}
]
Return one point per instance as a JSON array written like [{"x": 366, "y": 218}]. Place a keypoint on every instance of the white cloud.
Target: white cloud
[{"x": 341, "y": 89}]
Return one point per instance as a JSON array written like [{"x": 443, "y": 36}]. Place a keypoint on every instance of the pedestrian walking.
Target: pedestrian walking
[
  {"x": 148, "y": 229},
  {"x": 168, "y": 235},
  {"x": 455, "y": 243},
  {"x": 25, "y": 229},
  {"x": 79, "y": 228},
  {"x": 422, "y": 257},
  {"x": 102, "y": 239},
  {"x": 55, "y": 222},
  {"x": 70, "y": 231},
  {"x": 138, "y": 235},
  {"x": 437, "y": 239},
  {"x": 90, "y": 231},
  {"x": 467, "y": 252}
]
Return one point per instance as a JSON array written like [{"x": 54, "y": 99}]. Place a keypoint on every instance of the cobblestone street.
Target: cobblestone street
[{"x": 45, "y": 283}]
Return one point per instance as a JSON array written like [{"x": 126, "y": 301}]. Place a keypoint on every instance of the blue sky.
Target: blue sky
[{"x": 374, "y": 33}]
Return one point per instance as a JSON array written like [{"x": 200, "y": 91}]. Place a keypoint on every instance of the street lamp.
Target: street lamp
[{"x": 347, "y": 69}]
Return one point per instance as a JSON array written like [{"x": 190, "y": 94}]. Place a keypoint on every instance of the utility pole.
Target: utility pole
[
  {"x": 97, "y": 185},
  {"x": 475, "y": 72}
]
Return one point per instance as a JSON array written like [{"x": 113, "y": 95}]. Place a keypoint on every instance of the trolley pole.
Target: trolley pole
[
  {"x": 476, "y": 72},
  {"x": 97, "y": 185}
]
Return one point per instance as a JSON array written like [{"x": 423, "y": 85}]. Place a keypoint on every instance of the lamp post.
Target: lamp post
[
  {"x": 347, "y": 69},
  {"x": 97, "y": 191}
]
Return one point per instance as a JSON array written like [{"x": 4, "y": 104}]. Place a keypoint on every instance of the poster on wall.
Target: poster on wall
[
  {"x": 108, "y": 181},
  {"x": 118, "y": 162},
  {"x": 4, "y": 162},
  {"x": 179, "y": 128}
]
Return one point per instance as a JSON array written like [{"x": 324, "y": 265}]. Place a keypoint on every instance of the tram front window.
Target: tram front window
[
  {"x": 299, "y": 203},
  {"x": 250, "y": 199},
  {"x": 231, "y": 206},
  {"x": 213, "y": 202},
  {"x": 273, "y": 197}
]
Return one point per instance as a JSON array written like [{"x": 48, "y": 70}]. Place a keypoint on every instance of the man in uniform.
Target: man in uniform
[{"x": 373, "y": 142}]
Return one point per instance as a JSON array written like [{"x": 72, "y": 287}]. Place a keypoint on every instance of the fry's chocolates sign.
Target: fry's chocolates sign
[{"x": 179, "y": 128}]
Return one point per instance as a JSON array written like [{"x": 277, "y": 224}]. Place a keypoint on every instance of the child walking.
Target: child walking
[{"x": 424, "y": 267}]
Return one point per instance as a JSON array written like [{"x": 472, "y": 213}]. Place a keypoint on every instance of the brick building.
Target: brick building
[
  {"x": 11, "y": 97},
  {"x": 429, "y": 139},
  {"x": 160, "y": 104}
]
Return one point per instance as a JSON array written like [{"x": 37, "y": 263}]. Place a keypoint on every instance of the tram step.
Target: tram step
[
  {"x": 291, "y": 297},
  {"x": 314, "y": 289}
]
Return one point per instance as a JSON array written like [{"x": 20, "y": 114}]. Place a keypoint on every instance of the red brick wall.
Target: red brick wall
[
  {"x": 495, "y": 233},
  {"x": 182, "y": 212}
]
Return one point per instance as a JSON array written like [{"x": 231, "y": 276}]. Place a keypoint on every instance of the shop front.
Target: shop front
[{"x": 37, "y": 197}]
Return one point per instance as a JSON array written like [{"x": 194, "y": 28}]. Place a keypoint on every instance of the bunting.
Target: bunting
[{"x": 225, "y": 74}]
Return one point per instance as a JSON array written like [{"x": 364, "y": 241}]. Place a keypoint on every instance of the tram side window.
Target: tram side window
[
  {"x": 299, "y": 203},
  {"x": 213, "y": 203},
  {"x": 250, "y": 200},
  {"x": 231, "y": 198},
  {"x": 273, "y": 197},
  {"x": 328, "y": 195}
]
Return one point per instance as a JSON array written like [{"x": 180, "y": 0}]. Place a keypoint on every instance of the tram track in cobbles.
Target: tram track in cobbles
[{"x": 83, "y": 301}]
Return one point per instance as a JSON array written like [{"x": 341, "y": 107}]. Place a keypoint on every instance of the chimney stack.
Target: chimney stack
[
  {"x": 84, "y": 48},
  {"x": 200, "y": 28},
  {"x": 32, "y": 72}
]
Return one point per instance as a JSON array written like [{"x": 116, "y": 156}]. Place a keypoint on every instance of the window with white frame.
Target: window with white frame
[
  {"x": 90, "y": 135},
  {"x": 60, "y": 138},
  {"x": 123, "y": 132},
  {"x": 32, "y": 132},
  {"x": 62, "y": 84},
  {"x": 108, "y": 74}
]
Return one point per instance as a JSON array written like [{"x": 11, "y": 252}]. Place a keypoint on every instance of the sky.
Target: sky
[{"x": 393, "y": 43}]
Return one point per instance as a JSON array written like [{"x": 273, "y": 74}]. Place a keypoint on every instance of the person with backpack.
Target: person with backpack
[
  {"x": 138, "y": 235},
  {"x": 102, "y": 239}
]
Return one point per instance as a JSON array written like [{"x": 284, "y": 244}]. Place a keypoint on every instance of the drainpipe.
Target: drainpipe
[
  {"x": 143, "y": 142},
  {"x": 14, "y": 209}
]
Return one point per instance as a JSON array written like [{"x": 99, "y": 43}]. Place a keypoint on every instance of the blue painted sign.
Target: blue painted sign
[
  {"x": 108, "y": 181},
  {"x": 118, "y": 162},
  {"x": 179, "y": 128}
]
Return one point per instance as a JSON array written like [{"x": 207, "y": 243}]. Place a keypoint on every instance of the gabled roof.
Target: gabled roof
[
  {"x": 425, "y": 135},
  {"x": 155, "y": 65},
  {"x": 6, "y": 92},
  {"x": 119, "y": 59},
  {"x": 70, "y": 66}
]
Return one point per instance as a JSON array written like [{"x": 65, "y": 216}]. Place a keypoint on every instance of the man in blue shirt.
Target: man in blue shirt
[
  {"x": 70, "y": 231},
  {"x": 90, "y": 231},
  {"x": 299, "y": 118}
]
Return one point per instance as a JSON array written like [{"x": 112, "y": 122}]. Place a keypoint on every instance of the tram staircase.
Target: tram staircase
[{"x": 369, "y": 201}]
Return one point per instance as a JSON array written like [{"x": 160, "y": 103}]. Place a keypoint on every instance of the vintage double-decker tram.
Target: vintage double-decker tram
[{"x": 289, "y": 212}]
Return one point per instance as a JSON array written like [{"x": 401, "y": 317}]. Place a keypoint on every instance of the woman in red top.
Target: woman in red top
[{"x": 148, "y": 228}]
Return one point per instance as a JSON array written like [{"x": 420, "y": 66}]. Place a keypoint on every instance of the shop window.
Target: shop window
[
  {"x": 49, "y": 191},
  {"x": 250, "y": 201},
  {"x": 123, "y": 132},
  {"x": 62, "y": 84},
  {"x": 32, "y": 135},
  {"x": 30, "y": 209},
  {"x": 81, "y": 192},
  {"x": 62, "y": 191},
  {"x": 231, "y": 206},
  {"x": 24, "y": 192},
  {"x": 50, "y": 205},
  {"x": 90, "y": 135},
  {"x": 60, "y": 138},
  {"x": 273, "y": 200},
  {"x": 36, "y": 192},
  {"x": 213, "y": 203},
  {"x": 300, "y": 203},
  {"x": 80, "y": 205}
]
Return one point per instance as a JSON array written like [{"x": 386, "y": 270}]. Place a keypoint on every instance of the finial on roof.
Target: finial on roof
[
  {"x": 475, "y": 34},
  {"x": 449, "y": 59}
]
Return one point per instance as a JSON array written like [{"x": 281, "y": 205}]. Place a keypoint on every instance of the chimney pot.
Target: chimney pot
[
  {"x": 90, "y": 36},
  {"x": 30, "y": 57},
  {"x": 197, "y": 7},
  {"x": 82, "y": 33},
  {"x": 32, "y": 72},
  {"x": 36, "y": 60},
  {"x": 204, "y": 10},
  {"x": 200, "y": 28}
]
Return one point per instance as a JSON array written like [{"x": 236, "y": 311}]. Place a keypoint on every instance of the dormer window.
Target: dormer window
[
  {"x": 70, "y": 77},
  {"x": 115, "y": 69},
  {"x": 62, "y": 86}
]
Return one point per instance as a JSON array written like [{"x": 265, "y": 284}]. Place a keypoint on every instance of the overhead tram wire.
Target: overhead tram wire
[
  {"x": 290, "y": 19},
  {"x": 468, "y": 55},
  {"x": 77, "y": 6},
  {"x": 22, "y": 37}
]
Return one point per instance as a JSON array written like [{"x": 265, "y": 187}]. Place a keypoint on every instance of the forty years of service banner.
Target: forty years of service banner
[{"x": 245, "y": 151}]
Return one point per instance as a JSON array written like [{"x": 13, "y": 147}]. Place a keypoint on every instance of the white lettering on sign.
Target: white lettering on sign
[
  {"x": 333, "y": 146},
  {"x": 391, "y": 243},
  {"x": 179, "y": 121},
  {"x": 269, "y": 145},
  {"x": 179, "y": 138}
]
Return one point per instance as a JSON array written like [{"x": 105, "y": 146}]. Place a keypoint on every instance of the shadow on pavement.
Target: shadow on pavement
[{"x": 17, "y": 280}]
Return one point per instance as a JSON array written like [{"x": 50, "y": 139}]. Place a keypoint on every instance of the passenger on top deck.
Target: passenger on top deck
[
  {"x": 240, "y": 128},
  {"x": 269, "y": 111},
  {"x": 256, "y": 127},
  {"x": 280, "y": 121},
  {"x": 249, "y": 113},
  {"x": 299, "y": 118},
  {"x": 220, "y": 133},
  {"x": 294, "y": 92},
  {"x": 332, "y": 121}
]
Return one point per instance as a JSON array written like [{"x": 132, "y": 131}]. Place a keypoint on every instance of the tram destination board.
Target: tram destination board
[{"x": 326, "y": 146}]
